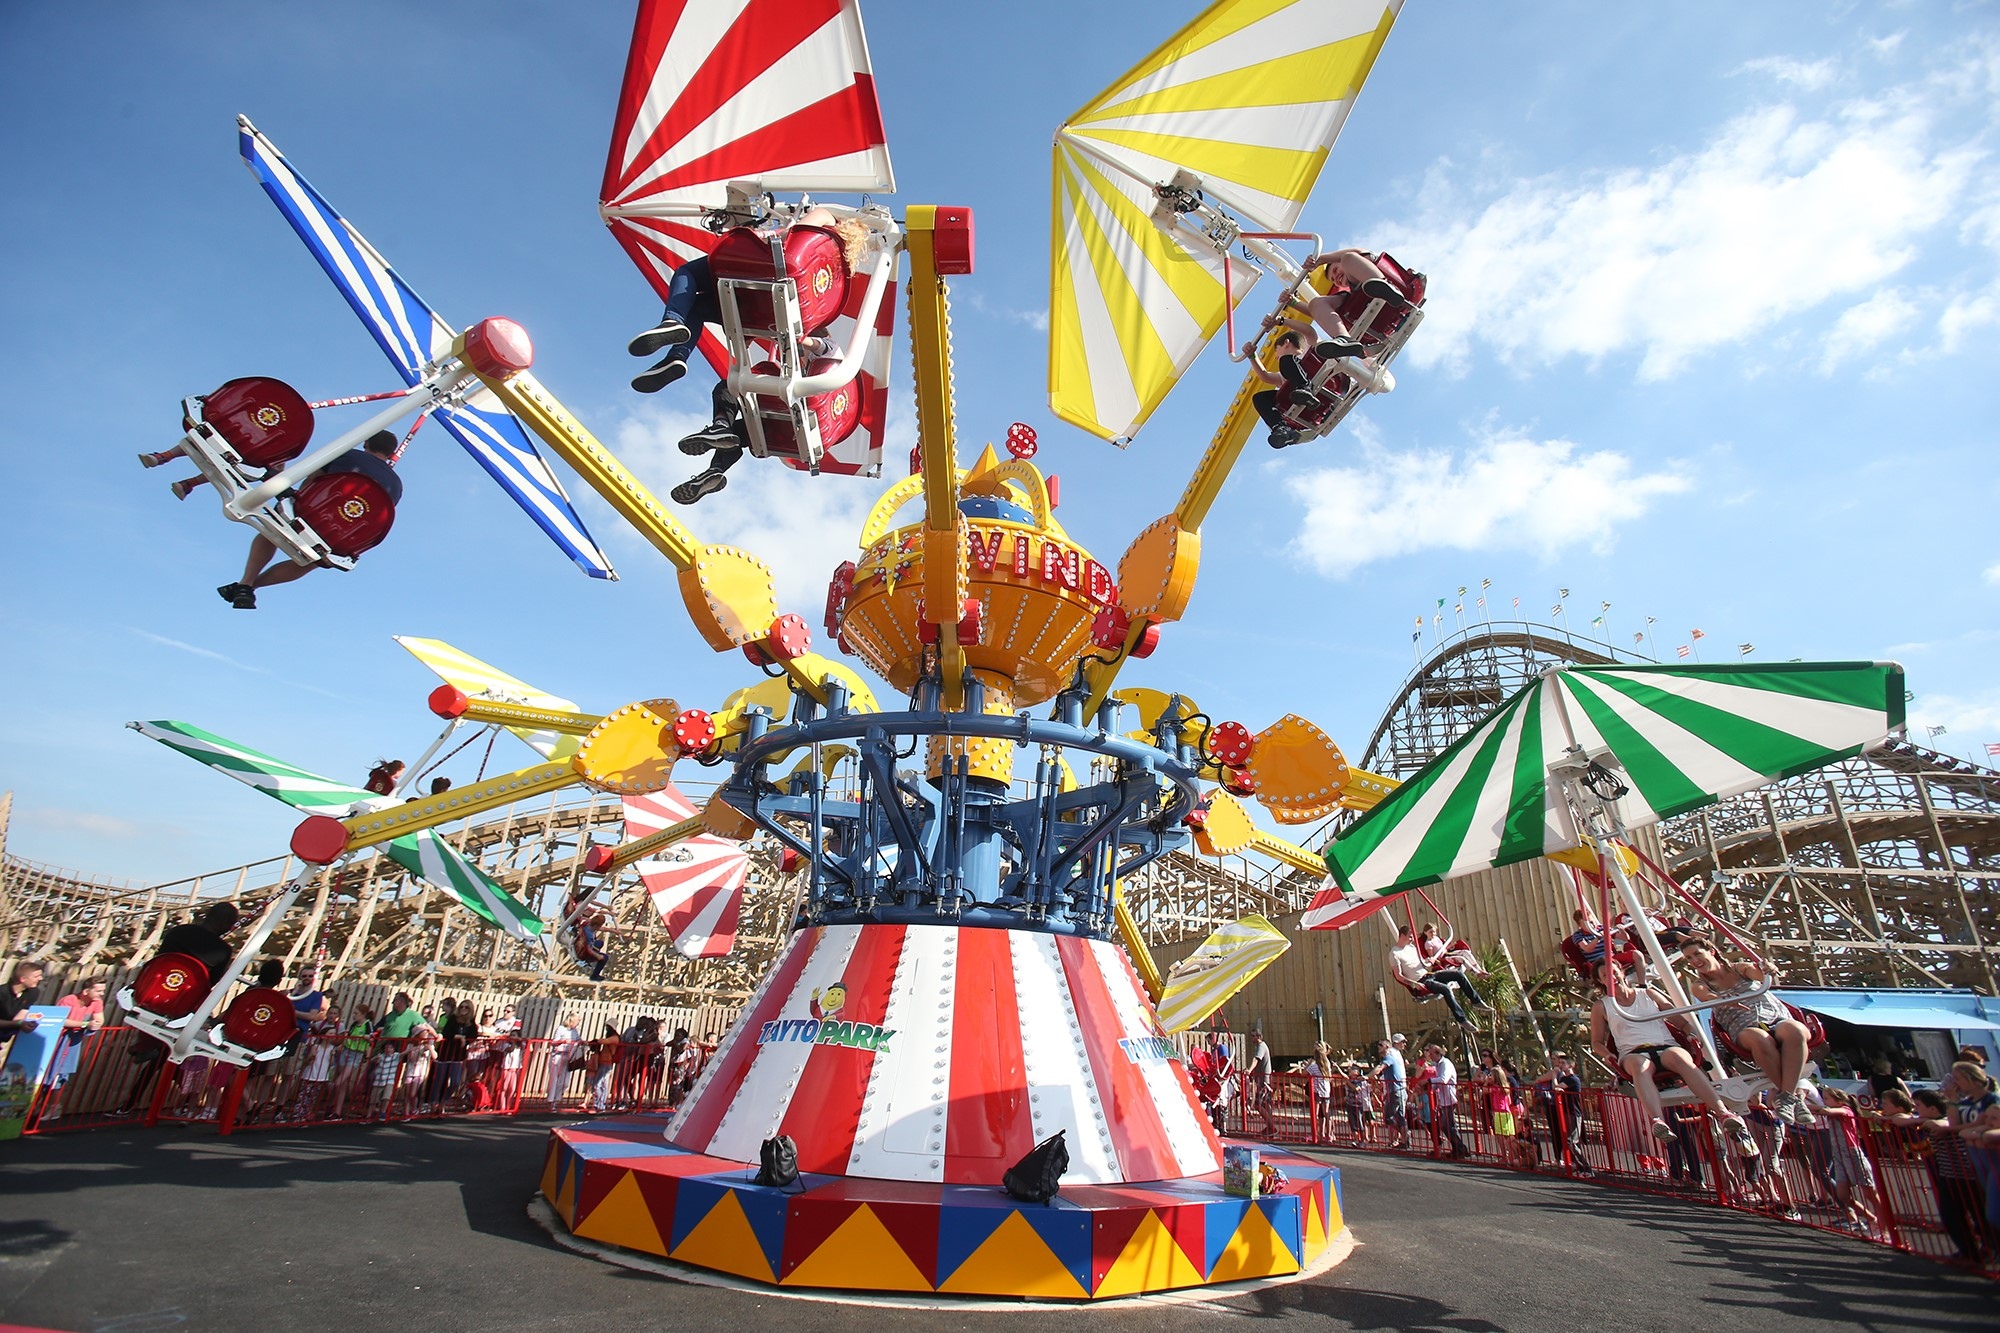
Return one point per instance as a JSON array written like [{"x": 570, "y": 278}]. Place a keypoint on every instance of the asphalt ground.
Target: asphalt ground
[{"x": 425, "y": 1227}]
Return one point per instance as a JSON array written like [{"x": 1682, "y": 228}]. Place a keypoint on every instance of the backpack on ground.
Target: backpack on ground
[
  {"x": 778, "y": 1162},
  {"x": 1037, "y": 1177}
]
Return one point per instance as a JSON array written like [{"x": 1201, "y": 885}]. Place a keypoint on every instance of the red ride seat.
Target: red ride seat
[
  {"x": 171, "y": 986},
  {"x": 349, "y": 510},
  {"x": 838, "y": 410},
  {"x": 1355, "y": 303},
  {"x": 812, "y": 260},
  {"x": 260, "y": 1019},
  {"x": 265, "y": 421}
]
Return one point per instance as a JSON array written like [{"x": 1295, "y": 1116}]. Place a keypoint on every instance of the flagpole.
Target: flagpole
[{"x": 1652, "y": 650}]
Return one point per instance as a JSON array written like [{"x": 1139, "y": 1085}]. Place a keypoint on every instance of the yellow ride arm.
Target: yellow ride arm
[{"x": 946, "y": 577}]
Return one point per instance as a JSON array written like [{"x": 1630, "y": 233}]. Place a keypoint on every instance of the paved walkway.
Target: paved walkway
[{"x": 425, "y": 1228}]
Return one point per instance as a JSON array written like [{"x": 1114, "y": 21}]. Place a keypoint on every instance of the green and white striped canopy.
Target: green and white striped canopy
[
  {"x": 424, "y": 854},
  {"x": 1685, "y": 736}
]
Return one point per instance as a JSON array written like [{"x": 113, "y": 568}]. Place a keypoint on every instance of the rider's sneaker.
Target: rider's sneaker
[
  {"x": 1283, "y": 437},
  {"x": 181, "y": 488},
  {"x": 229, "y": 592},
  {"x": 1383, "y": 290},
  {"x": 1336, "y": 348},
  {"x": 245, "y": 598},
  {"x": 655, "y": 378},
  {"x": 706, "y": 483},
  {"x": 151, "y": 460},
  {"x": 715, "y": 435},
  {"x": 667, "y": 333}
]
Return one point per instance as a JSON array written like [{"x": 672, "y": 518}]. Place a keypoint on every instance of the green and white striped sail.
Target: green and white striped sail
[
  {"x": 435, "y": 861},
  {"x": 1685, "y": 736},
  {"x": 424, "y": 854},
  {"x": 274, "y": 777},
  {"x": 1226, "y": 962}
]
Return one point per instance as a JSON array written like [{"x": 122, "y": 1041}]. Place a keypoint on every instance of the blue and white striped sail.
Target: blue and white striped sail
[{"x": 411, "y": 334}]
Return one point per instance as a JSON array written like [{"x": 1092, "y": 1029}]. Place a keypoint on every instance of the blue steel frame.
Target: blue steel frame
[{"x": 961, "y": 850}]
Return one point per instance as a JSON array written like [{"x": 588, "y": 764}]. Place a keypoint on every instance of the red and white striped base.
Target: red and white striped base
[{"x": 944, "y": 1053}]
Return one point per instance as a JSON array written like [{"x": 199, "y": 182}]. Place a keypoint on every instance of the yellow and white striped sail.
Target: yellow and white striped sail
[
  {"x": 482, "y": 680},
  {"x": 1248, "y": 98},
  {"x": 1226, "y": 962}
]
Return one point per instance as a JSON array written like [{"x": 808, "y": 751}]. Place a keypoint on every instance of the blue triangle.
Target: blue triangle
[
  {"x": 965, "y": 1219},
  {"x": 764, "y": 1209},
  {"x": 1065, "y": 1229},
  {"x": 1219, "y": 1225},
  {"x": 1286, "y": 1214}
]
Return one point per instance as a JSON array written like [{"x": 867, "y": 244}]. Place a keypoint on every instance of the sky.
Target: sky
[{"x": 1712, "y": 287}]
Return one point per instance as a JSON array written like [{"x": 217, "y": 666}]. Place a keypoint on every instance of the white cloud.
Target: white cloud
[
  {"x": 1777, "y": 214},
  {"x": 1809, "y": 75},
  {"x": 973, "y": 300},
  {"x": 800, "y": 525},
  {"x": 1864, "y": 327},
  {"x": 196, "y": 650},
  {"x": 1992, "y": 574},
  {"x": 1507, "y": 492}
]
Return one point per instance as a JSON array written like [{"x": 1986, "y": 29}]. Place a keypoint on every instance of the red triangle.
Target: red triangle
[
  {"x": 914, "y": 1227},
  {"x": 808, "y": 1222},
  {"x": 1109, "y": 1232},
  {"x": 659, "y": 1192},
  {"x": 594, "y": 1181},
  {"x": 1188, "y": 1225}
]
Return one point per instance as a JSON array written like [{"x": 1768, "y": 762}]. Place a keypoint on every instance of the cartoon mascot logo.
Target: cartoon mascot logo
[
  {"x": 825, "y": 1027},
  {"x": 826, "y": 1004}
]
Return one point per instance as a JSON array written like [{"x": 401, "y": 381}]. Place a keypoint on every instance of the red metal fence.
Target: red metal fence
[
  {"x": 120, "y": 1075},
  {"x": 1882, "y": 1182}
]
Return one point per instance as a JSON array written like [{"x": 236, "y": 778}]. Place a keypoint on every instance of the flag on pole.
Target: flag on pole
[
  {"x": 1745, "y": 649},
  {"x": 1649, "y": 620},
  {"x": 1440, "y": 603},
  {"x": 1683, "y": 650},
  {"x": 1604, "y": 606},
  {"x": 1597, "y": 620},
  {"x": 1697, "y": 634},
  {"x": 1517, "y": 604},
  {"x": 1458, "y": 610},
  {"x": 1416, "y": 634},
  {"x": 1562, "y": 593},
  {"x": 1556, "y": 610},
  {"x": 1993, "y": 747},
  {"x": 1934, "y": 731},
  {"x": 1484, "y": 584},
  {"x": 1638, "y": 637},
  {"x": 1482, "y": 603},
  {"x": 1461, "y": 590}
]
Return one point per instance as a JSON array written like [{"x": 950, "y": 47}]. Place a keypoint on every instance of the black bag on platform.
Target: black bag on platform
[
  {"x": 1037, "y": 1177},
  {"x": 778, "y": 1162}
]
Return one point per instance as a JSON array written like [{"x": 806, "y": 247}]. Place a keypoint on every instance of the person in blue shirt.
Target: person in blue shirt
[
  {"x": 1395, "y": 1074},
  {"x": 266, "y": 568}
]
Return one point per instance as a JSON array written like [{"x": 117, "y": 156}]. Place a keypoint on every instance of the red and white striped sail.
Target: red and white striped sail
[
  {"x": 945, "y": 1053},
  {"x": 696, "y": 885},
  {"x": 771, "y": 94}
]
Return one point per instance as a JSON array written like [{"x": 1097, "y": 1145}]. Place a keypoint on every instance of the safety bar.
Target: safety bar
[
  {"x": 423, "y": 396},
  {"x": 794, "y": 389}
]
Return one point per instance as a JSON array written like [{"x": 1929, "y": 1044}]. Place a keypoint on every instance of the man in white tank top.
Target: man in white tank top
[{"x": 1630, "y": 1035}]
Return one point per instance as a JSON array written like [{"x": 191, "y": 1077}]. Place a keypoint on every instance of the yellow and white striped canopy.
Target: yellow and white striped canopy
[
  {"x": 1248, "y": 98},
  {"x": 482, "y": 680},
  {"x": 1226, "y": 962}
]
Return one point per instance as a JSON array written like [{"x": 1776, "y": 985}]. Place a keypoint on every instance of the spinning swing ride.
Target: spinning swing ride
[{"x": 955, "y": 991}]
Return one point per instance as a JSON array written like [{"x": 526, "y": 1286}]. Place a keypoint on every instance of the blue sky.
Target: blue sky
[{"x": 1712, "y": 288}]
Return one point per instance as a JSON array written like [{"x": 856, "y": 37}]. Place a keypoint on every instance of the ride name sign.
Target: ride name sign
[{"x": 28, "y": 1061}]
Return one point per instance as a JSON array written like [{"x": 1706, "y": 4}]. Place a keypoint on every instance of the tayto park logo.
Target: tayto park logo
[
  {"x": 1148, "y": 1050},
  {"x": 826, "y": 1027}
]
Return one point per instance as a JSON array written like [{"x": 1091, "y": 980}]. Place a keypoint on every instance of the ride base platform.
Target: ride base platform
[{"x": 620, "y": 1183}]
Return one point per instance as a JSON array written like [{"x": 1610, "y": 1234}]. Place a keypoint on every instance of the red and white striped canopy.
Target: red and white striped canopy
[
  {"x": 945, "y": 1053},
  {"x": 771, "y": 94},
  {"x": 696, "y": 885}
]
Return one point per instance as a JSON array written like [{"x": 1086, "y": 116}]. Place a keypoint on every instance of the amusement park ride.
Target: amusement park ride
[{"x": 955, "y": 992}]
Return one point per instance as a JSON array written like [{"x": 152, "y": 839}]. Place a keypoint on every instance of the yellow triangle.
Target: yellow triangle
[
  {"x": 566, "y": 1201},
  {"x": 1315, "y": 1231},
  {"x": 622, "y": 1218},
  {"x": 860, "y": 1254},
  {"x": 1013, "y": 1261},
  {"x": 1254, "y": 1251},
  {"x": 724, "y": 1241},
  {"x": 549, "y": 1171},
  {"x": 1150, "y": 1261}
]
